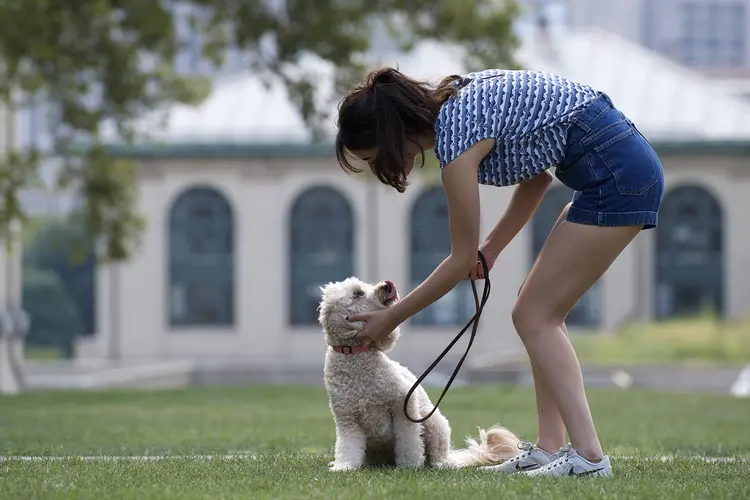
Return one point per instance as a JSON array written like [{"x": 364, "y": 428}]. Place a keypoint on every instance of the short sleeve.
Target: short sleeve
[{"x": 463, "y": 121}]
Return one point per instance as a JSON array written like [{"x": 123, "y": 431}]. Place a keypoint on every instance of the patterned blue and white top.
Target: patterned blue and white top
[{"x": 527, "y": 112}]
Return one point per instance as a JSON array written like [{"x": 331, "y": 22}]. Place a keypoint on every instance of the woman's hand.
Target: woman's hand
[
  {"x": 378, "y": 325},
  {"x": 523, "y": 203},
  {"x": 490, "y": 256}
]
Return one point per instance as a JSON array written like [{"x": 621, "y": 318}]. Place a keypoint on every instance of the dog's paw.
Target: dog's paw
[
  {"x": 335, "y": 467},
  {"x": 446, "y": 465},
  {"x": 410, "y": 464}
]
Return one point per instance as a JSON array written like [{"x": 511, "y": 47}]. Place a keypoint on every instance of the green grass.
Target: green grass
[
  {"x": 291, "y": 432},
  {"x": 700, "y": 340},
  {"x": 38, "y": 353}
]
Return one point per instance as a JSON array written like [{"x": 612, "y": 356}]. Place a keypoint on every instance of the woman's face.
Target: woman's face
[{"x": 411, "y": 152}]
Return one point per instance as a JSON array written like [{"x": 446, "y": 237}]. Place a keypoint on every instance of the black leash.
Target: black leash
[{"x": 475, "y": 321}]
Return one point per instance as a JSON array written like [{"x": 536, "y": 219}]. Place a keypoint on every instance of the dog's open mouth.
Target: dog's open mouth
[{"x": 391, "y": 293}]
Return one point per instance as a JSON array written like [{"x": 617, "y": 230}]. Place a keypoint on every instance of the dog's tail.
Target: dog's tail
[{"x": 494, "y": 446}]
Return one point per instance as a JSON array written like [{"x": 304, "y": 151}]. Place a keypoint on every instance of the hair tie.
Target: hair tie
[{"x": 462, "y": 82}]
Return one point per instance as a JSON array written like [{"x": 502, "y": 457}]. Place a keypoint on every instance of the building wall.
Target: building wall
[
  {"x": 689, "y": 31},
  {"x": 133, "y": 296},
  {"x": 727, "y": 179},
  {"x": 623, "y": 17}
]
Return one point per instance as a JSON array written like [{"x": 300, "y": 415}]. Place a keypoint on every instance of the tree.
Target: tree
[
  {"x": 62, "y": 248},
  {"x": 108, "y": 61},
  {"x": 55, "y": 319}
]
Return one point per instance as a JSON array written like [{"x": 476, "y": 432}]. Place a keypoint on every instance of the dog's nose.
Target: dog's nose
[{"x": 388, "y": 286}]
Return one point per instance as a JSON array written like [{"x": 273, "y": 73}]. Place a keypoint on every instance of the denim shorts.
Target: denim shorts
[{"x": 616, "y": 175}]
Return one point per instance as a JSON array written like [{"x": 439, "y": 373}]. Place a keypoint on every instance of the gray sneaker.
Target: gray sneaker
[
  {"x": 532, "y": 458},
  {"x": 570, "y": 463}
]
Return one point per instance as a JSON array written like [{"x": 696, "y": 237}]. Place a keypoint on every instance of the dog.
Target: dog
[{"x": 366, "y": 392}]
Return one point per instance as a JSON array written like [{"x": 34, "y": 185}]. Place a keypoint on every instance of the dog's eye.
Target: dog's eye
[{"x": 358, "y": 293}]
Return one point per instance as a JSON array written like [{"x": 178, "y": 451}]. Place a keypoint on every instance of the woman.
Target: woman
[{"x": 507, "y": 128}]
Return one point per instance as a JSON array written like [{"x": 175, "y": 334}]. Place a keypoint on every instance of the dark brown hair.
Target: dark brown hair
[{"x": 384, "y": 111}]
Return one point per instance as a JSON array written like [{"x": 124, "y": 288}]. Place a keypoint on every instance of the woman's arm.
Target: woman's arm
[
  {"x": 523, "y": 204},
  {"x": 462, "y": 193}
]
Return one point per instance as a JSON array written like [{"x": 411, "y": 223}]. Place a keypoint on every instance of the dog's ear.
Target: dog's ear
[
  {"x": 355, "y": 327},
  {"x": 334, "y": 322}
]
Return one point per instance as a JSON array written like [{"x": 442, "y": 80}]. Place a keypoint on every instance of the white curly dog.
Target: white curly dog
[{"x": 366, "y": 392}]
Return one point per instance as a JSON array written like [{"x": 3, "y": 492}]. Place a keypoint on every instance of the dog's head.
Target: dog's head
[{"x": 349, "y": 297}]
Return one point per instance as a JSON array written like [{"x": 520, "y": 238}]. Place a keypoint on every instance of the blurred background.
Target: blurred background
[{"x": 213, "y": 157}]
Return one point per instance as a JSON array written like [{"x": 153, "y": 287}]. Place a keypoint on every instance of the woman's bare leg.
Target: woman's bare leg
[
  {"x": 550, "y": 426},
  {"x": 574, "y": 258}
]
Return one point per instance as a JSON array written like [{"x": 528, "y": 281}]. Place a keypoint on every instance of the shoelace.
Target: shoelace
[
  {"x": 559, "y": 461},
  {"x": 526, "y": 447}
]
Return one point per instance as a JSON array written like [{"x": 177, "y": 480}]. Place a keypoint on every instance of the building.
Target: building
[
  {"x": 240, "y": 234},
  {"x": 710, "y": 36}
]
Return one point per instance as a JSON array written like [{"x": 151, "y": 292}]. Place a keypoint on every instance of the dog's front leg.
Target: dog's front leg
[
  {"x": 409, "y": 446},
  {"x": 351, "y": 443}
]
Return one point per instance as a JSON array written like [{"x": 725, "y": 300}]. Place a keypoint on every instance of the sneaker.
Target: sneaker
[
  {"x": 532, "y": 458},
  {"x": 570, "y": 463}
]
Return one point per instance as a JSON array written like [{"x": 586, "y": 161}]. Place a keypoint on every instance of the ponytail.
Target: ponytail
[
  {"x": 447, "y": 88},
  {"x": 385, "y": 111}
]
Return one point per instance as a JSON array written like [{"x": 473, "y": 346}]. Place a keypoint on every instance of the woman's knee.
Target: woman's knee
[
  {"x": 530, "y": 320},
  {"x": 523, "y": 318}
]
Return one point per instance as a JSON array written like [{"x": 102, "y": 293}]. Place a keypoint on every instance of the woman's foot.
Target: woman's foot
[
  {"x": 570, "y": 463},
  {"x": 532, "y": 458}
]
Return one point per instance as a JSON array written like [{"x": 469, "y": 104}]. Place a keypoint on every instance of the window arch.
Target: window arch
[
  {"x": 689, "y": 253},
  {"x": 430, "y": 245},
  {"x": 201, "y": 259},
  {"x": 321, "y": 248},
  {"x": 587, "y": 312}
]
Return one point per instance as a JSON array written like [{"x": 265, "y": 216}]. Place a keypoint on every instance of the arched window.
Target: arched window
[
  {"x": 587, "y": 312},
  {"x": 321, "y": 249},
  {"x": 201, "y": 259},
  {"x": 430, "y": 245},
  {"x": 689, "y": 253}
]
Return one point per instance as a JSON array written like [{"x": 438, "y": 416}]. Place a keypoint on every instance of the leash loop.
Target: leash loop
[{"x": 474, "y": 324}]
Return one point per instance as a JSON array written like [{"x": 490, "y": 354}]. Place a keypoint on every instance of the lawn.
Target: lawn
[
  {"x": 289, "y": 432},
  {"x": 699, "y": 340}
]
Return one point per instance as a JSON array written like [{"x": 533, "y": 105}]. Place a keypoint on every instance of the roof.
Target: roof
[
  {"x": 243, "y": 108},
  {"x": 673, "y": 106},
  {"x": 666, "y": 101}
]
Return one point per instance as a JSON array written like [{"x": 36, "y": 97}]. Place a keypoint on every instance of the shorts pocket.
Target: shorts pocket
[{"x": 630, "y": 159}]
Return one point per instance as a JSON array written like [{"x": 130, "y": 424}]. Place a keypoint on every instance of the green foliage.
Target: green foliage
[
  {"x": 58, "y": 283},
  {"x": 109, "y": 61},
  {"x": 64, "y": 248},
  {"x": 55, "y": 319}
]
